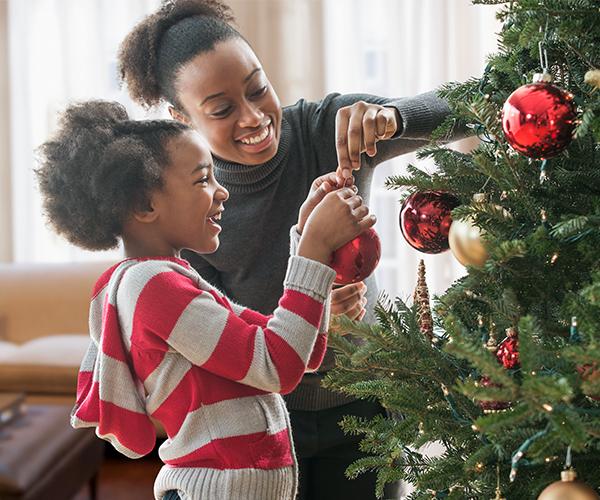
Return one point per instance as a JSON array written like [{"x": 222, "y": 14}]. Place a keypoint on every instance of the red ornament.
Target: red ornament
[
  {"x": 538, "y": 120},
  {"x": 492, "y": 406},
  {"x": 425, "y": 220},
  {"x": 590, "y": 373},
  {"x": 357, "y": 259},
  {"x": 508, "y": 350}
]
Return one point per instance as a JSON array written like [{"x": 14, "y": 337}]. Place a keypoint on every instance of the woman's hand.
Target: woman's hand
[
  {"x": 358, "y": 128},
  {"x": 349, "y": 300},
  {"x": 318, "y": 189}
]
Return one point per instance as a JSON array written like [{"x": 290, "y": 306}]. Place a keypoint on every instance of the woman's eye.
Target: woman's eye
[
  {"x": 221, "y": 113},
  {"x": 261, "y": 91}
]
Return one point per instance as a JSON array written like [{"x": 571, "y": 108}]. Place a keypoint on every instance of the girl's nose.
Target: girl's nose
[{"x": 222, "y": 194}]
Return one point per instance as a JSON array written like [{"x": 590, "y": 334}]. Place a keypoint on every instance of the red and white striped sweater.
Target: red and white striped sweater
[{"x": 166, "y": 344}]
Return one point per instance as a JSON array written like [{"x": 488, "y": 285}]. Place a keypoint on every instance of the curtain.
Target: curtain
[
  {"x": 402, "y": 48},
  {"x": 59, "y": 51},
  {"x": 65, "y": 50}
]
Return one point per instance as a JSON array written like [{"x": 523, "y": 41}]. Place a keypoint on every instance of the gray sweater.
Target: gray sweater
[{"x": 250, "y": 264}]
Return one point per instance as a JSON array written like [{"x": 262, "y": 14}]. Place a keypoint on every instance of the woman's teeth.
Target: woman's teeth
[{"x": 255, "y": 139}]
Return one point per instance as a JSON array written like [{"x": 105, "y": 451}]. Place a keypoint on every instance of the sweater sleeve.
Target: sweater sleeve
[
  {"x": 201, "y": 327},
  {"x": 420, "y": 116},
  {"x": 318, "y": 352}
]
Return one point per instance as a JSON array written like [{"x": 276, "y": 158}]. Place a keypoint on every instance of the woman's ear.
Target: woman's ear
[{"x": 179, "y": 116}]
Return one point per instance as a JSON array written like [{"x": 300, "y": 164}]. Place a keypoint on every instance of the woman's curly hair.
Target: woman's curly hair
[
  {"x": 155, "y": 50},
  {"x": 98, "y": 168}
]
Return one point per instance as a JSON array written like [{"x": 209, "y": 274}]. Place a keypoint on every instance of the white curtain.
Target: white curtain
[
  {"x": 64, "y": 50},
  {"x": 402, "y": 48},
  {"x": 60, "y": 51}
]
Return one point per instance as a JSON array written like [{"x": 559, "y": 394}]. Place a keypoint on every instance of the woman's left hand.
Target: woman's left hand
[{"x": 357, "y": 129}]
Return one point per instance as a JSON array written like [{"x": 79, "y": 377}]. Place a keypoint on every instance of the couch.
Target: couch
[{"x": 43, "y": 327}]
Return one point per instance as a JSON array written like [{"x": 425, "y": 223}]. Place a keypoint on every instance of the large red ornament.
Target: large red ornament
[
  {"x": 425, "y": 220},
  {"x": 357, "y": 259},
  {"x": 538, "y": 120}
]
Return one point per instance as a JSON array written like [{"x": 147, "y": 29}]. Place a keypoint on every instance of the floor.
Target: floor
[{"x": 122, "y": 478}]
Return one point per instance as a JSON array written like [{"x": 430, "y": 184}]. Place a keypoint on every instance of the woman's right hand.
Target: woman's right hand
[{"x": 340, "y": 217}]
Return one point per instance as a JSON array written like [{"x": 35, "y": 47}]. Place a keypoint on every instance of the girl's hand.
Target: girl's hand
[
  {"x": 338, "y": 218},
  {"x": 357, "y": 128},
  {"x": 349, "y": 300},
  {"x": 318, "y": 189}
]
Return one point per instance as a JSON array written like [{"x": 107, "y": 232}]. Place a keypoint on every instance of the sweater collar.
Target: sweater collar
[{"x": 238, "y": 178}]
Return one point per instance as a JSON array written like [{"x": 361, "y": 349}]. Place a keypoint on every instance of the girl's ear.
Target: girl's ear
[
  {"x": 179, "y": 116},
  {"x": 146, "y": 214}
]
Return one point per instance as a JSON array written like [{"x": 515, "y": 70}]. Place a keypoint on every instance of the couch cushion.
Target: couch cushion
[
  {"x": 37, "y": 300},
  {"x": 47, "y": 365},
  {"x": 53, "y": 350},
  {"x": 7, "y": 349}
]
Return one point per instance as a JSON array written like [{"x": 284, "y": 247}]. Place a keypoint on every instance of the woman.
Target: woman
[{"x": 188, "y": 55}]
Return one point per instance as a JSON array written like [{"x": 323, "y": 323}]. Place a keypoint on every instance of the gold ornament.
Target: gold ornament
[
  {"x": 421, "y": 300},
  {"x": 568, "y": 489},
  {"x": 592, "y": 77},
  {"x": 464, "y": 238},
  {"x": 465, "y": 243}
]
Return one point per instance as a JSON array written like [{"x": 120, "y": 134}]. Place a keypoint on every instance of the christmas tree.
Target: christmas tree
[{"x": 509, "y": 383}]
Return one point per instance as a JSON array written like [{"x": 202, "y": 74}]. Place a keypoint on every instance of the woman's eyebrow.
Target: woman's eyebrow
[
  {"x": 219, "y": 94},
  {"x": 252, "y": 74}
]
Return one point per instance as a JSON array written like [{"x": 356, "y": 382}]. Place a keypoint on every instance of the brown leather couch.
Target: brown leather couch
[{"x": 43, "y": 327}]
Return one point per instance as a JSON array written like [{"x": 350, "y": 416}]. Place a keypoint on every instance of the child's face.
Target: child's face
[
  {"x": 228, "y": 98},
  {"x": 191, "y": 201}
]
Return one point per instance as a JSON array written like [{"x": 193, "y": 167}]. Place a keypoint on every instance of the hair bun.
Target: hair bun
[{"x": 94, "y": 115}]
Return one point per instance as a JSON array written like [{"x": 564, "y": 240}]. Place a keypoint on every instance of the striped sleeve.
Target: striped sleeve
[{"x": 193, "y": 322}]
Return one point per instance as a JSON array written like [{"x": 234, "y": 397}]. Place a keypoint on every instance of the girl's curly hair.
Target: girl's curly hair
[
  {"x": 152, "y": 54},
  {"x": 98, "y": 168}
]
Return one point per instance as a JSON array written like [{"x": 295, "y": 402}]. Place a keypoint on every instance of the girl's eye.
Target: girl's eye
[{"x": 260, "y": 92}]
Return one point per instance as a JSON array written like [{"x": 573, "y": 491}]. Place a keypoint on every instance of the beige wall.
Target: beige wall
[
  {"x": 287, "y": 36},
  {"x": 5, "y": 191}
]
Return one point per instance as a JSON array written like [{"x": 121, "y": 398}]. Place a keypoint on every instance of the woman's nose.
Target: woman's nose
[{"x": 251, "y": 116}]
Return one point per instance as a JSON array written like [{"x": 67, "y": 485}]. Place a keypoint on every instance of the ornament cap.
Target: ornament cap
[
  {"x": 568, "y": 475},
  {"x": 542, "y": 77},
  {"x": 479, "y": 198}
]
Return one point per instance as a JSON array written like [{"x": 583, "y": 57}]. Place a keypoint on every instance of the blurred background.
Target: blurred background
[{"x": 56, "y": 51}]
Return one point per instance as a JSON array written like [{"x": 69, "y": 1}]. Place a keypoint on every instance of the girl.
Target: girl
[
  {"x": 188, "y": 55},
  {"x": 165, "y": 343}
]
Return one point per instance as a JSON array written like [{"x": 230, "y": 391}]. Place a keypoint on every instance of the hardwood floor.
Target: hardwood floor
[{"x": 122, "y": 478}]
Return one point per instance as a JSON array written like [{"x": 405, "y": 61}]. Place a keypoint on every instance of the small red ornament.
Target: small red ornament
[
  {"x": 492, "y": 406},
  {"x": 357, "y": 259},
  {"x": 590, "y": 372},
  {"x": 538, "y": 119},
  {"x": 425, "y": 220},
  {"x": 508, "y": 350}
]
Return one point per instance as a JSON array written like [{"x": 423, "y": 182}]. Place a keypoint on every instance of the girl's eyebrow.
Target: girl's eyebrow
[{"x": 201, "y": 166}]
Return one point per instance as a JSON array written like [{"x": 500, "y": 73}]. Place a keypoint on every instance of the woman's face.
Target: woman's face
[{"x": 226, "y": 96}]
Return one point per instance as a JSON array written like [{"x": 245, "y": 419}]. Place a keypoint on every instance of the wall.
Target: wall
[{"x": 5, "y": 178}]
